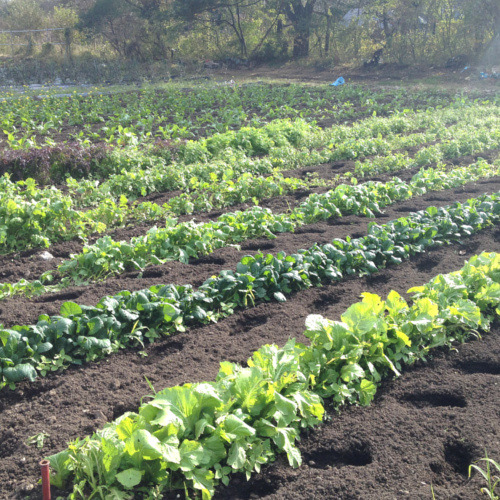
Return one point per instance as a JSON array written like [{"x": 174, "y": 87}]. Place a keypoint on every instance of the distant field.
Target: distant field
[{"x": 148, "y": 236}]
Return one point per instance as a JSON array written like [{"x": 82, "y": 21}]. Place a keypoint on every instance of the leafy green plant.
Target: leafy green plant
[
  {"x": 135, "y": 318},
  {"x": 176, "y": 113},
  {"x": 488, "y": 474},
  {"x": 37, "y": 217},
  {"x": 195, "y": 436},
  {"x": 37, "y": 439}
]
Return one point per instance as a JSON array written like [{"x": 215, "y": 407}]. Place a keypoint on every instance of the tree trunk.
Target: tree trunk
[
  {"x": 301, "y": 45},
  {"x": 300, "y": 16},
  {"x": 387, "y": 31},
  {"x": 328, "y": 32},
  {"x": 68, "y": 39}
]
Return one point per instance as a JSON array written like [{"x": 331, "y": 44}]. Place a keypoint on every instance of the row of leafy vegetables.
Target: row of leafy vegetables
[
  {"x": 34, "y": 217},
  {"x": 195, "y": 436},
  {"x": 191, "y": 240},
  {"x": 141, "y": 117},
  {"x": 85, "y": 333}
]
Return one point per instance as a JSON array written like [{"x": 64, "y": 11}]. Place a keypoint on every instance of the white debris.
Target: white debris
[{"x": 46, "y": 256}]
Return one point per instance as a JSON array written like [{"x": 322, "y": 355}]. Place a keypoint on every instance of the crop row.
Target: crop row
[
  {"x": 279, "y": 144},
  {"x": 463, "y": 143},
  {"x": 121, "y": 118},
  {"x": 40, "y": 221},
  {"x": 86, "y": 333},
  {"x": 190, "y": 240},
  {"x": 278, "y": 139},
  {"x": 456, "y": 140},
  {"x": 193, "y": 437},
  {"x": 33, "y": 217}
]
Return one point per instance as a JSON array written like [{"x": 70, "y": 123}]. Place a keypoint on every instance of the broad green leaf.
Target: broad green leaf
[
  {"x": 285, "y": 439},
  {"x": 427, "y": 306},
  {"x": 63, "y": 326},
  {"x": 20, "y": 372},
  {"x": 147, "y": 445},
  {"x": 203, "y": 480},
  {"x": 402, "y": 336},
  {"x": 361, "y": 317},
  {"x": 248, "y": 387},
  {"x": 235, "y": 428},
  {"x": 286, "y": 407},
  {"x": 237, "y": 454},
  {"x": 352, "y": 371},
  {"x": 59, "y": 464},
  {"x": 192, "y": 455},
  {"x": 315, "y": 322},
  {"x": 126, "y": 426},
  {"x": 70, "y": 309},
  {"x": 130, "y": 478},
  {"x": 367, "y": 391}
]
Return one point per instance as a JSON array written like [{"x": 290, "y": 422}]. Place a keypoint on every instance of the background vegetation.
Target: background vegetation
[{"x": 237, "y": 33}]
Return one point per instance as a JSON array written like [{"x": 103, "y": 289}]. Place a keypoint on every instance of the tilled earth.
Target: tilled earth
[
  {"x": 423, "y": 428},
  {"x": 21, "y": 310}
]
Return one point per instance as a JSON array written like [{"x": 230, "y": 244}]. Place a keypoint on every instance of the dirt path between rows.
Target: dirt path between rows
[
  {"x": 76, "y": 402},
  {"x": 21, "y": 310}
]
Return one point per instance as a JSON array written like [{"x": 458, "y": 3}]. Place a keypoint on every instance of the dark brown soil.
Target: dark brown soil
[
  {"x": 80, "y": 400},
  {"x": 424, "y": 428},
  {"x": 20, "y": 310},
  {"x": 76, "y": 402}
]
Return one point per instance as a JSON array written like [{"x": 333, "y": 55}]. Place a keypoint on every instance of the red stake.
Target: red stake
[{"x": 45, "y": 465}]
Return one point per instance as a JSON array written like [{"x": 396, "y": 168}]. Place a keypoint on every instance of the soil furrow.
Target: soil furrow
[
  {"x": 28, "y": 264},
  {"x": 82, "y": 399},
  {"x": 21, "y": 310}
]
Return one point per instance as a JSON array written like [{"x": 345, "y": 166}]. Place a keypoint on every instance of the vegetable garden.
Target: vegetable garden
[{"x": 249, "y": 292}]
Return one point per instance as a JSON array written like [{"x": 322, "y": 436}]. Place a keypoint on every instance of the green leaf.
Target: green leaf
[
  {"x": 130, "y": 477},
  {"x": 286, "y": 407},
  {"x": 192, "y": 454},
  {"x": 20, "y": 372},
  {"x": 147, "y": 445},
  {"x": 63, "y": 326},
  {"x": 285, "y": 439},
  {"x": 70, "y": 309},
  {"x": 59, "y": 464},
  {"x": 236, "y": 428},
  {"x": 351, "y": 372},
  {"x": 237, "y": 455},
  {"x": 360, "y": 317},
  {"x": 367, "y": 391},
  {"x": 203, "y": 480},
  {"x": 126, "y": 426}
]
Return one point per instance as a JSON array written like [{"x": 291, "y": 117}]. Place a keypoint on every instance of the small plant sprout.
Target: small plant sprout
[
  {"x": 37, "y": 439},
  {"x": 488, "y": 474}
]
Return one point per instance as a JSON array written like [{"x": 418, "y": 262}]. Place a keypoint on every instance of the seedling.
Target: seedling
[
  {"x": 488, "y": 475},
  {"x": 37, "y": 439}
]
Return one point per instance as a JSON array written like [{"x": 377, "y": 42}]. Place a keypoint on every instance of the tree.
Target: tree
[
  {"x": 24, "y": 15},
  {"x": 300, "y": 14},
  {"x": 117, "y": 22}
]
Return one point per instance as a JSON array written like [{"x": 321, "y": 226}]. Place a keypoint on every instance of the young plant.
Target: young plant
[{"x": 488, "y": 475}]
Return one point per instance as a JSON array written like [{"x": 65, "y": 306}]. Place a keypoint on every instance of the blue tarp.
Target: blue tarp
[{"x": 339, "y": 81}]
